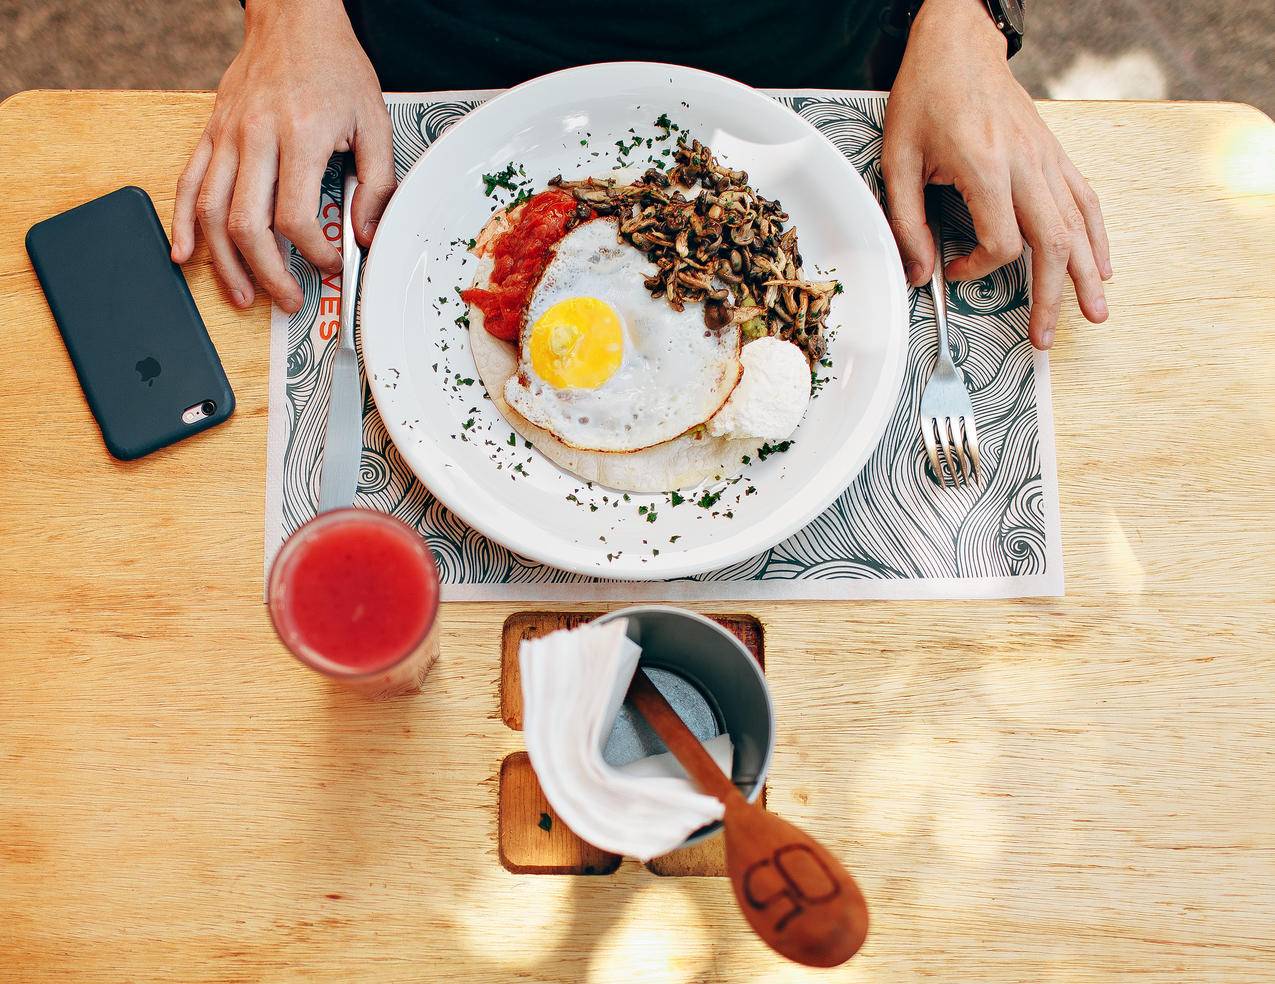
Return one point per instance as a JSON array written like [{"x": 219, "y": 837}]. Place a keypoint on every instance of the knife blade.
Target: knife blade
[{"x": 343, "y": 440}]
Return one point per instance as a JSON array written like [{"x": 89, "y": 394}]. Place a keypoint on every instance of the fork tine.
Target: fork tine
[
  {"x": 971, "y": 436},
  {"x": 945, "y": 442},
  {"x": 927, "y": 435},
  {"x": 958, "y": 439}
]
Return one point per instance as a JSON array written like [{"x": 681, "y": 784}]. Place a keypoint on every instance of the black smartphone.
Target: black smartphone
[{"x": 139, "y": 347}]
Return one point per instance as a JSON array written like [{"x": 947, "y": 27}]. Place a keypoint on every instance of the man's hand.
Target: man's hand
[
  {"x": 957, "y": 116},
  {"x": 299, "y": 89}
]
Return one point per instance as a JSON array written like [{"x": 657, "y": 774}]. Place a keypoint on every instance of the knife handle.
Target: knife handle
[{"x": 350, "y": 256}]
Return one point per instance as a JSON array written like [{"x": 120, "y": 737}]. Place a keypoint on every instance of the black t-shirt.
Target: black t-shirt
[{"x": 419, "y": 45}]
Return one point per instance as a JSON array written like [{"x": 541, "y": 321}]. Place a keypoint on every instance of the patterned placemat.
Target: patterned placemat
[{"x": 892, "y": 534}]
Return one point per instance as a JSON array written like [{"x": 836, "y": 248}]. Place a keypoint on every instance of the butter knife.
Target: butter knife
[{"x": 343, "y": 442}]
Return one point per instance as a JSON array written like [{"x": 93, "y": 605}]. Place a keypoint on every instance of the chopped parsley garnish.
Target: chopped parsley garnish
[
  {"x": 650, "y": 516},
  {"x": 674, "y": 539},
  {"x": 676, "y": 499},
  {"x": 642, "y": 510},
  {"x": 513, "y": 441},
  {"x": 468, "y": 423},
  {"x": 512, "y": 178},
  {"x": 838, "y": 289},
  {"x": 501, "y": 179},
  {"x": 708, "y": 500},
  {"x": 766, "y": 450},
  {"x": 747, "y": 459}
]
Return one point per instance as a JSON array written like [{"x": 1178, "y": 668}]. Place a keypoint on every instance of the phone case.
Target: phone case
[{"x": 135, "y": 337}]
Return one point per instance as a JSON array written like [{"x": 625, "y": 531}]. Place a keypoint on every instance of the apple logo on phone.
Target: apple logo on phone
[{"x": 148, "y": 368}]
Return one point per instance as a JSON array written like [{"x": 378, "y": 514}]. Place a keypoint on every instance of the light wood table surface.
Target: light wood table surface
[{"x": 1063, "y": 790}]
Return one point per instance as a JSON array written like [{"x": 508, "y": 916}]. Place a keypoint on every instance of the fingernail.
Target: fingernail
[
  {"x": 1100, "y": 307},
  {"x": 369, "y": 227},
  {"x": 1047, "y": 338},
  {"x": 239, "y": 298},
  {"x": 1107, "y": 272},
  {"x": 913, "y": 272}
]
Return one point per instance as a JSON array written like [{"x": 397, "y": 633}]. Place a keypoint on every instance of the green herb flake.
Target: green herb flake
[
  {"x": 501, "y": 179},
  {"x": 676, "y": 499},
  {"x": 766, "y": 450},
  {"x": 708, "y": 500},
  {"x": 838, "y": 289},
  {"x": 546, "y": 822},
  {"x": 747, "y": 459},
  {"x": 642, "y": 510},
  {"x": 674, "y": 539},
  {"x": 650, "y": 517},
  {"x": 468, "y": 423},
  {"x": 513, "y": 441}
]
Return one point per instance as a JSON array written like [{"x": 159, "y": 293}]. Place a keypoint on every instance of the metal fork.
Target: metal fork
[{"x": 947, "y": 416}]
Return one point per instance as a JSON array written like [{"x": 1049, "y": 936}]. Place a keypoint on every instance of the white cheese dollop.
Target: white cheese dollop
[{"x": 772, "y": 394}]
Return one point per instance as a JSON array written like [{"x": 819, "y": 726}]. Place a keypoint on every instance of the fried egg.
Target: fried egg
[{"x": 602, "y": 365}]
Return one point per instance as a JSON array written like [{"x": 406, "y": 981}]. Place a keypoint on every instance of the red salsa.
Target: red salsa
[{"x": 519, "y": 256}]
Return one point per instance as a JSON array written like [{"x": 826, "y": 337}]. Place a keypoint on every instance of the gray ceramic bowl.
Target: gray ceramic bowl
[{"x": 713, "y": 682}]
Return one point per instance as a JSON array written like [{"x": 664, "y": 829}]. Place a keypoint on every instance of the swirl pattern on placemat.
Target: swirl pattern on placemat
[{"x": 887, "y": 525}]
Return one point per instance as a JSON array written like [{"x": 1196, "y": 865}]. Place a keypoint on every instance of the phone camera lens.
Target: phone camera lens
[{"x": 208, "y": 407}]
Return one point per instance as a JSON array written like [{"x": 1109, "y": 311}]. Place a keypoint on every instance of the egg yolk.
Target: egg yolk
[{"x": 577, "y": 344}]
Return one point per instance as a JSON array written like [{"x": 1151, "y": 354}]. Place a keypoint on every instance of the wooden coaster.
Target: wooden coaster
[{"x": 532, "y": 839}]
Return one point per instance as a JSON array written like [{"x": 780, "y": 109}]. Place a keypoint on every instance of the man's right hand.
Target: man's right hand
[{"x": 299, "y": 89}]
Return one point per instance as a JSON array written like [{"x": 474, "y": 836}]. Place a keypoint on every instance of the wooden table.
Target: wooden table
[{"x": 1064, "y": 790}]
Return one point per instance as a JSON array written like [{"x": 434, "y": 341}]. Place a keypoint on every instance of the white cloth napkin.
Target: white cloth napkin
[{"x": 573, "y": 684}]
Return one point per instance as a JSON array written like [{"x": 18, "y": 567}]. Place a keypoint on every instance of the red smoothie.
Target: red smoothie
[{"x": 354, "y": 594}]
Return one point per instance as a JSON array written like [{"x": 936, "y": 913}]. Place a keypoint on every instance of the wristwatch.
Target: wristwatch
[{"x": 1007, "y": 15}]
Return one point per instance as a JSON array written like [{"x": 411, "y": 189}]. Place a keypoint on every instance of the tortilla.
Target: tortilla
[{"x": 681, "y": 463}]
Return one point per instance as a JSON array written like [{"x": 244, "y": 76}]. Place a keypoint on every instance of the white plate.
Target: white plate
[{"x": 512, "y": 494}]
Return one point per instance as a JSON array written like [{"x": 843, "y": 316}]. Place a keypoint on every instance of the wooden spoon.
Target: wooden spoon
[{"x": 796, "y": 896}]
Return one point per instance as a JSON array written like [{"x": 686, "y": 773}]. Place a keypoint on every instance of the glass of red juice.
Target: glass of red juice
[{"x": 354, "y": 594}]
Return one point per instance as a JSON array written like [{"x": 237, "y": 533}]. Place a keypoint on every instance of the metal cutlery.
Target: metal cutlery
[
  {"x": 343, "y": 441},
  {"x": 947, "y": 416}
]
